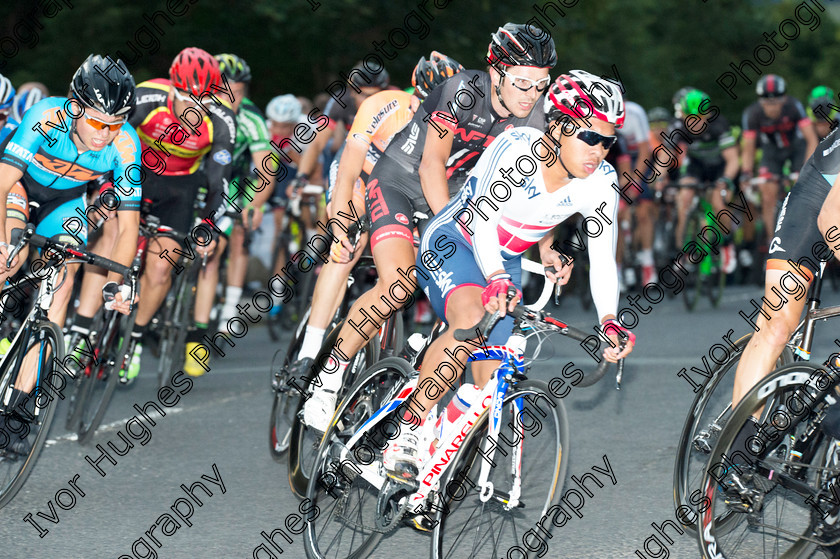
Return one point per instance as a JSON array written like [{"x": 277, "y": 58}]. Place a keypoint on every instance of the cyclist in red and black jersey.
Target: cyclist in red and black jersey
[
  {"x": 424, "y": 165},
  {"x": 181, "y": 123},
  {"x": 777, "y": 124}
]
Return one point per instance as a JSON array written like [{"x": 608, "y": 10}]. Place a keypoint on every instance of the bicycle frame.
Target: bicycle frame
[{"x": 491, "y": 397}]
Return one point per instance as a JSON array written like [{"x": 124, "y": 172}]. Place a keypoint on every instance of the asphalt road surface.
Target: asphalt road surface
[{"x": 219, "y": 430}]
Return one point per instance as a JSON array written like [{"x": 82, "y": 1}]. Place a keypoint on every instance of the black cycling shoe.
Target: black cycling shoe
[
  {"x": 17, "y": 446},
  {"x": 301, "y": 368}
]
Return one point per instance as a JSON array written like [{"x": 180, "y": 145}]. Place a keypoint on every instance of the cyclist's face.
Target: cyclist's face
[
  {"x": 282, "y": 129},
  {"x": 92, "y": 134},
  {"x": 772, "y": 107},
  {"x": 238, "y": 90},
  {"x": 517, "y": 101},
  {"x": 579, "y": 157}
]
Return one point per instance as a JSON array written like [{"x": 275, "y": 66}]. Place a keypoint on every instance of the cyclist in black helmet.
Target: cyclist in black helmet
[
  {"x": 425, "y": 165},
  {"x": 44, "y": 172}
]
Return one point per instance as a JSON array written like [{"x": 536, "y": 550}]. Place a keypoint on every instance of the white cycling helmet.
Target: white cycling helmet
[
  {"x": 284, "y": 108},
  {"x": 24, "y": 100},
  {"x": 7, "y": 93},
  {"x": 580, "y": 94}
]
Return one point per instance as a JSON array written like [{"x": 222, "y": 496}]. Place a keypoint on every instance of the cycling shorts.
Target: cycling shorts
[
  {"x": 797, "y": 237},
  {"x": 173, "y": 198},
  {"x": 702, "y": 171},
  {"x": 458, "y": 269},
  {"x": 392, "y": 214},
  {"x": 773, "y": 159},
  {"x": 57, "y": 214}
]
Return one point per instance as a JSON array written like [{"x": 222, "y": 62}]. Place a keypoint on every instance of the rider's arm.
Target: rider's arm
[
  {"x": 749, "y": 135},
  {"x": 603, "y": 271},
  {"x": 730, "y": 157},
  {"x": 828, "y": 220},
  {"x": 810, "y": 135},
  {"x": 261, "y": 197},
  {"x": 309, "y": 158},
  {"x": 217, "y": 162},
  {"x": 8, "y": 177},
  {"x": 432, "y": 169},
  {"x": 349, "y": 169}
]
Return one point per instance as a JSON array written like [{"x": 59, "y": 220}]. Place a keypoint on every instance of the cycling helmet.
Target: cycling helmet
[
  {"x": 362, "y": 77},
  {"x": 23, "y": 100},
  {"x": 7, "y": 93},
  {"x": 580, "y": 94},
  {"x": 770, "y": 86},
  {"x": 692, "y": 101},
  {"x": 821, "y": 96},
  {"x": 104, "y": 85},
  {"x": 234, "y": 68},
  {"x": 430, "y": 73},
  {"x": 515, "y": 45},
  {"x": 194, "y": 70},
  {"x": 659, "y": 114},
  {"x": 284, "y": 108},
  {"x": 676, "y": 100}
]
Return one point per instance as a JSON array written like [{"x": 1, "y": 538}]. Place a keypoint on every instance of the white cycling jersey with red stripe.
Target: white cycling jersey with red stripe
[{"x": 504, "y": 208}]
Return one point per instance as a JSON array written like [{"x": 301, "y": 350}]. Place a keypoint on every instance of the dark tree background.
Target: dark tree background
[{"x": 656, "y": 45}]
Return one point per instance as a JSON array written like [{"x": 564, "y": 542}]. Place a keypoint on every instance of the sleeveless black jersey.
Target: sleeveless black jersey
[{"x": 707, "y": 146}]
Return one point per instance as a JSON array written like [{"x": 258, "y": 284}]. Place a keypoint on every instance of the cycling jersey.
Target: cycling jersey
[
  {"x": 8, "y": 128},
  {"x": 180, "y": 151},
  {"x": 501, "y": 212},
  {"x": 636, "y": 129},
  {"x": 781, "y": 132},
  {"x": 337, "y": 113},
  {"x": 797, "y": 237},
  {"x": 56, "y": 174},
  {"x": 460, "y": 106}
]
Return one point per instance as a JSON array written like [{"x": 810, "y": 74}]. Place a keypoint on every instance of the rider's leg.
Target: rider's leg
[
  {"x": 767, "y": 343},
  {"x": 156, "y": 278},
  {"x": 684, "y": 198},
  {"x": 237, "y": 268},
  {"x": 94, "y": 278},
  {"x": 769, "y": 197},
  {"x": 645, "y": 217},
  {"x": 205, "y": 296}
]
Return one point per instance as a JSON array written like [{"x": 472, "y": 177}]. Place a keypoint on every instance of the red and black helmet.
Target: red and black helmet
[
  {"x": 428, "y": 74},
  {"x": 195, "y": 70},
  {"x": 770, "y": 86},
  {"x": 518, "y": 44},
  {"x": 580, "y": 94}
]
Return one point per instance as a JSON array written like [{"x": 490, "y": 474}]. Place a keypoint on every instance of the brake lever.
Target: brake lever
[
  {"x": 27, "y": 233},
  {"x": 620, "y": 372},
  {"x": 558, "y": 289}
]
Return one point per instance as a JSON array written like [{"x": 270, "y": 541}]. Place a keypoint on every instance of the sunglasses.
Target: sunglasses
[
  {"x": 102, "y": 125},
  {"x": 184, "y": 96},
  {"x": 525, "y": 84},
  {"x": 592, "y": 138}
]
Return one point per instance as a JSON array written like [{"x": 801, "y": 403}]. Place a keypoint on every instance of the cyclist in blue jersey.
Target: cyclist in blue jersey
[
  {"x": 7, "y": 98},
  {"x": 61, "y": 145}
]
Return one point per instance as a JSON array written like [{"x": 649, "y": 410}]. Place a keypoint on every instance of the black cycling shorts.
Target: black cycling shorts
[
  {"x": 173, "y": 198},
  {"x": 797, "y": 237},
  {"x": 773, "y": 159},
  {"x": 701, "y": 171}
]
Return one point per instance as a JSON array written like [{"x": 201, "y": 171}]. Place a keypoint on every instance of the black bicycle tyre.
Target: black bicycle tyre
[
  {"x": 53, "y": 333},
  {"x": 749, "y": 403},
  {"x": 694, "y": 280},
  {"x": 173, "y": 345},
  {"x": 466, "y": 459},
  {"x": 694, "y": 419},
  {"x": 397, "y": 370},
  {"x": 110, "y": 364},
  {"x": 285, "y": 402}
]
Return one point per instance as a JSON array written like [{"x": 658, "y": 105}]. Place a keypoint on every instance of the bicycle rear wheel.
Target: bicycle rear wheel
[
  {"x": 174, "y": 335},
  {"x": 47, "y": 342},
  {"x": 285, "y": 396},
  {"x": 694, "y": 279},
  {"x": 467, "y": 525},
  {"x": 760, "y": 507},
  {"x": 348, "y": 524}
]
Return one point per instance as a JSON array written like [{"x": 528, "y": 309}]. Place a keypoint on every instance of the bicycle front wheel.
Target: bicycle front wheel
[
  {"x": 528, "y": 468},
  {"x": 768, "y": 504},
  {"x": 45, "y": 346}
]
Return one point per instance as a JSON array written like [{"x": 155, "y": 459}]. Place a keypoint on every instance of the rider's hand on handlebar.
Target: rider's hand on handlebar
[
  {"x": 5, "y": 249},
  {"x": 116, "y": 297},
  {"x": 252, "y": 218},
  {"x": 207, "y": 250},
  {"x": 560, "y": 263},
  {"x": 342, "y": 249},
  {"x": 495, "y": 294},
  {"x": 612, "y": 328}
]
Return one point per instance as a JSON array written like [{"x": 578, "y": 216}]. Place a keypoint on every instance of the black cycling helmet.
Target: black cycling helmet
[
  {"x": 518, "y": 44},
  {"x": 362, "y": 77},
  {"x": 234, "y": 68},
  {"x": 104, "y": 85},
  {"x": 770, "y": 86},
  {"x": 430, "y": 73},
  {"x": 676, "y": 100}
]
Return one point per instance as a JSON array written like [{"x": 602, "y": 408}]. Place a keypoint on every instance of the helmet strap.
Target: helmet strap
[
  {"x": 499, "y": 94},
  {"x": 560, "y": 159}
]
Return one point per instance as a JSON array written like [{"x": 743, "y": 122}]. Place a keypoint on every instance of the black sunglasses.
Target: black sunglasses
[{"x": 592, "y": 138}]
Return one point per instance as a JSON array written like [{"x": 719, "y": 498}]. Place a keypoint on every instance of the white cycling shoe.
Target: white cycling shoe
[
  {"x": 319, "y": 409},
  {"x": 403, "y": 459}
]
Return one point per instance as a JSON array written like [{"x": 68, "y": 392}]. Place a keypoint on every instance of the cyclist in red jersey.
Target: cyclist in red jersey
[{"x": 182, "y": 122}]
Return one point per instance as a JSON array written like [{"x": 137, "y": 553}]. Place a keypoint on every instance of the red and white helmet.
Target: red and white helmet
[{"x": 580, "y": 94}]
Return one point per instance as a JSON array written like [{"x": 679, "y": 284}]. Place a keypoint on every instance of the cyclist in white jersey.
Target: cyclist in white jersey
[{"x": 523, "y": 185}]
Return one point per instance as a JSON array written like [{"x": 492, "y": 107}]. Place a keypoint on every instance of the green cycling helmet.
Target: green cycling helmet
[{"x": 691, "y": 102}]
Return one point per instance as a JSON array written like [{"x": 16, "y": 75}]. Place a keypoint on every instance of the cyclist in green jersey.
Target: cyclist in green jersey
[{"x": 246, "y": 194}]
